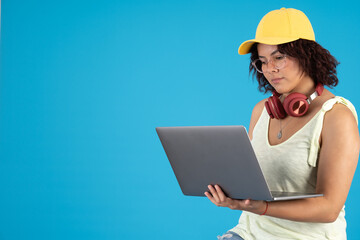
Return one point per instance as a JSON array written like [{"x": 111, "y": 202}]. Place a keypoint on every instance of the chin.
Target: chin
[{"x": 281, "y": 90}]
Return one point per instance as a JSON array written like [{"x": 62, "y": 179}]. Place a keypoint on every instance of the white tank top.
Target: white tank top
[{"x": 291, "y": 166}]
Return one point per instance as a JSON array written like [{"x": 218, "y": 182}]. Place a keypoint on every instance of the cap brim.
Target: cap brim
[{"x": 245, "y": 46}]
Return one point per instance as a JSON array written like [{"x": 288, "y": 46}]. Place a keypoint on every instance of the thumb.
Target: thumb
[{"x": 247, "y": 202}]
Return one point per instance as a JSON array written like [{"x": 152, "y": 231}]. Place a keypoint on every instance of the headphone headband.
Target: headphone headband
[{"x": 295, "y": 104}]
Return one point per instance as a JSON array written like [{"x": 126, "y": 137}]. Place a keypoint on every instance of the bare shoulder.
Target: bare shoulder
[
  {"x": 256, "y": 113},
  {"x": 340, "y": 114},
  {"x": 259, "y": 106},
  {"x": 340, "y": 123}
]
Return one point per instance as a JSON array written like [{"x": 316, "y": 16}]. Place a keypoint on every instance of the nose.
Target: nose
[{"x": 271, "y": 67}]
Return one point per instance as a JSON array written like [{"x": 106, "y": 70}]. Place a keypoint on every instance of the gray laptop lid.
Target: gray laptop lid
[{"x": 221, "y": 155}]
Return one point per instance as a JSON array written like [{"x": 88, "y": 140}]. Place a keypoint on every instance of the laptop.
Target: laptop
[{"x": 222, "y": 155}]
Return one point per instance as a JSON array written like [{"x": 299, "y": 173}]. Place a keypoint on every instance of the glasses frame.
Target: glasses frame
[{"x": 271, "y": 60}]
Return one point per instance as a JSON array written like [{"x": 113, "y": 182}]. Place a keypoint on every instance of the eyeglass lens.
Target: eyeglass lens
[{"x": 277, "y": 61}]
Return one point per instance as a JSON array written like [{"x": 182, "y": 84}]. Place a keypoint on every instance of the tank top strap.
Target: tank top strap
[
  {"x": 260, "y": 133},
  {"x": 328, "y": 105}
]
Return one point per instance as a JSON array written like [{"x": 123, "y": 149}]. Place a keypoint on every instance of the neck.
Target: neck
[{"x": 307, "y": 87}]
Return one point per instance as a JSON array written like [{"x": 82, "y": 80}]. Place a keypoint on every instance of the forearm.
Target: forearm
[
  {"x": 305, "y": 210},
  {"x": 319, "y": 209}
]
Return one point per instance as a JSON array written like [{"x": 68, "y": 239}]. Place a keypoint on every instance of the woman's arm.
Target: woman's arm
[{"x": 336, "y": 167}]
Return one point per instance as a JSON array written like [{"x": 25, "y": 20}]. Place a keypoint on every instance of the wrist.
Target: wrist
[{"x": 266, "y": 208}]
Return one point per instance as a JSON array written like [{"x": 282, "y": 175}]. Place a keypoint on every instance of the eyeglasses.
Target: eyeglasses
[{"x": 279, "y": 62}]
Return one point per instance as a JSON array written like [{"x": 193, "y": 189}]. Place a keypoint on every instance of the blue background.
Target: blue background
[{"x": 85, "y": 83}]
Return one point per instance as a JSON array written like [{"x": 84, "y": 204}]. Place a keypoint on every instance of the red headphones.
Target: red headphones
[{"x": 295, "y": 104}]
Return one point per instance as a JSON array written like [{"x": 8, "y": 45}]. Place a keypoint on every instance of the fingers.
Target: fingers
[
  {"x": 221, "y": 194},
  {"x": 247, "y": 202},
  {"x": 210, "y": 197},
  {"x": 217, "y": 196},
  {"x": 214, "y": 193}
]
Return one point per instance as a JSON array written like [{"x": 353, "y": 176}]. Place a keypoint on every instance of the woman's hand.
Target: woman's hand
[{"x": 217, "y": 196}]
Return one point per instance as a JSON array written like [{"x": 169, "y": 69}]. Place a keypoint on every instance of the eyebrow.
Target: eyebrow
[{"x": 274, "y": 52}]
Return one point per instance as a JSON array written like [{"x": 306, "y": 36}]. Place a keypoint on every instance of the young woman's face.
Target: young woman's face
[{"x": 285, "y": 78}]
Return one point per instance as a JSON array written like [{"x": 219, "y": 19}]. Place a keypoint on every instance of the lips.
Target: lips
[{"x": 276, "y": 80}]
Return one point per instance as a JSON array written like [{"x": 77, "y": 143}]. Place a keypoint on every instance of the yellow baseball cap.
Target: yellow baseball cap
[{"x": 280, "y": 26}]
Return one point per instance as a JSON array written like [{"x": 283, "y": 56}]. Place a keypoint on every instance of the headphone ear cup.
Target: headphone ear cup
[
  {"x": 275, "y": 108},
  {"x": 296, "y": 104}
]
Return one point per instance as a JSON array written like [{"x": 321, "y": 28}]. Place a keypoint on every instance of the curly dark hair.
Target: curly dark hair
[{"x": 314, "y": 60}]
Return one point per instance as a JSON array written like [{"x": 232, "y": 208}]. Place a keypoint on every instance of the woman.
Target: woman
[{"x": 306, "y": 139}]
